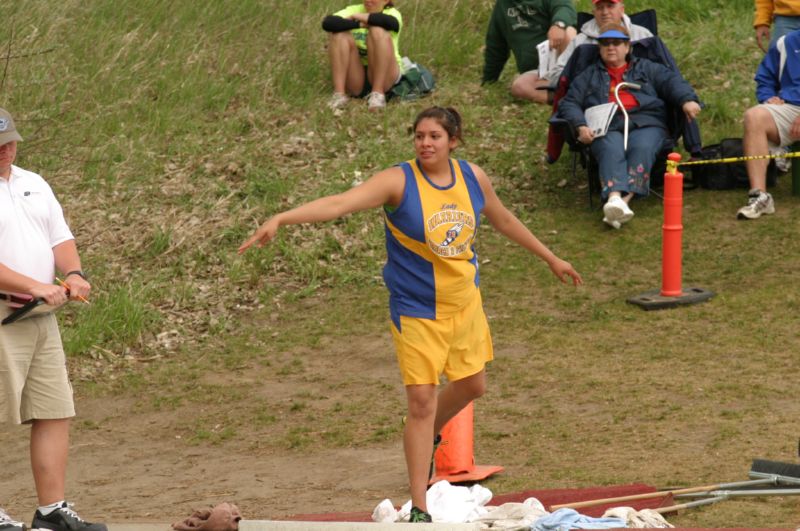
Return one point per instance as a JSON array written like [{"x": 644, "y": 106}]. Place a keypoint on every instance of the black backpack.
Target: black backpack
[{"x": 726, "y": 176}]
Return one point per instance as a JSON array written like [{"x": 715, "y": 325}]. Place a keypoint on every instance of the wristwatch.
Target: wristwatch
[
  {"x": 79, "y": 273},
  {"x": 560, "y": 24}
]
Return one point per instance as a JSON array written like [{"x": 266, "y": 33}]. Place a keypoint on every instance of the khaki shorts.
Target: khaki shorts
[
  {"x": 783, "y": 115},
  {"x": 458, "y": 345},
  {"x": 33, "y": 371}
]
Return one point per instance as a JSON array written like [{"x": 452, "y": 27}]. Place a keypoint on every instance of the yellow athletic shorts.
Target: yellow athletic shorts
[
  {"x": 458, "y": 345},
  {"x": 33, "y": 371}
]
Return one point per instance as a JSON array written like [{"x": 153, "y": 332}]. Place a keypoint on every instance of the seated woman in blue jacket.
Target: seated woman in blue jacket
[{"x": 625, "y": 173}]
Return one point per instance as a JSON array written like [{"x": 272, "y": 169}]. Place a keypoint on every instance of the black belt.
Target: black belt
[{"x": 13, "y": 298}]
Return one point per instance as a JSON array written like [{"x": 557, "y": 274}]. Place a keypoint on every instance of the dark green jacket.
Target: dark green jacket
[{"x": 518, "y": 26}]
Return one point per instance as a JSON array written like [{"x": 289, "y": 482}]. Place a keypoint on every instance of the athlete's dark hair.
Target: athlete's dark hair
[{"x": 448, "y": 118}]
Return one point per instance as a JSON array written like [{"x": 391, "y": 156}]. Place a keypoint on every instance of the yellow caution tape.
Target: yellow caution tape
[{"x": 790, "y": 155}]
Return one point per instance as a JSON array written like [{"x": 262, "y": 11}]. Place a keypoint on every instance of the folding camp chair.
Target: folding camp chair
[
  {"x": 555, "y": 139},
  {"x": 652, "y": 48}
]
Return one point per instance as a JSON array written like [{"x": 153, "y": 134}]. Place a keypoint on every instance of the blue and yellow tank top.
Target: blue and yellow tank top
[{"x": 432, "y": 268}]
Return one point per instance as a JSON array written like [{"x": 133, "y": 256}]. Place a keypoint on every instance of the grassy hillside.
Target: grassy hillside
[{"x": 170, "y": 129}]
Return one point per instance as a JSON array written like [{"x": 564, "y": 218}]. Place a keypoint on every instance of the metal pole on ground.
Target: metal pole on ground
[{"x": 671, "y": 293}]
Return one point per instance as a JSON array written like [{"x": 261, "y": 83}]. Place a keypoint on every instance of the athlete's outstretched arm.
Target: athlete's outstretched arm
[
  {"x": 512, "y": 228},
  {"x": 385, "y": 187}
]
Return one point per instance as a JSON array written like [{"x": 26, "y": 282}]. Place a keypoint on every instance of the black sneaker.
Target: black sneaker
[
  {"x": 418, "y": 516},
  {"x": 436, "y": 442},
  {"x": 9, "y": 524},
  {"x": 64, "y": 519}
]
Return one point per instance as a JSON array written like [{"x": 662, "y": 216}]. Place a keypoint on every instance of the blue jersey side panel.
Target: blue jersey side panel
[
  {"x": 408, "y": 276},
  {"x": 410, "y": 280},
  {"x": 478, "y": 202},
  {"x": 475, "y": 192},
  {"x": 408, "y": 214}
]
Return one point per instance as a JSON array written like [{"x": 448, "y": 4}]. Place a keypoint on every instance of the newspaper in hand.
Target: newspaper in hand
[
  {"x": 548, "y": 58},
  {"x": 599, "y": 117}
]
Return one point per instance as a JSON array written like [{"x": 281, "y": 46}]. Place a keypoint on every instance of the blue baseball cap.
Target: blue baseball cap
[{"x": 613, "y": 34}]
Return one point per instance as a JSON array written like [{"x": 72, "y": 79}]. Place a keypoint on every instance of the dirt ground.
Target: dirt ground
[
  {"x": 130, "y": 463},
  {"x": 135, "y": 468},
  {"x": 136, "y": 472}
]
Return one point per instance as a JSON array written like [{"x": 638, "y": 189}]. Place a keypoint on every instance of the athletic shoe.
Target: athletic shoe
[
  {"x": 9, "y": 524},
  {"x": 64, "y": 519},
  {"x": 758, "y": 203},
  {"x": 436, "y": 442},
  {"x": 418, "y": 516},
  {"x": 616, "y": 210},
  {"x": 338, "y": 100},
  {"x": 376, "y": 101},
  {"x": 614, "y": 223},
  {"x": 783, "y": 164}
]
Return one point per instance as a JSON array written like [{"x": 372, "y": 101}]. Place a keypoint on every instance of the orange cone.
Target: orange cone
[{"x": 455, "y": 461}]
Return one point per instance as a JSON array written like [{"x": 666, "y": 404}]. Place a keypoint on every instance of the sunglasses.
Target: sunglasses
[{"x": 612, "y": 42}]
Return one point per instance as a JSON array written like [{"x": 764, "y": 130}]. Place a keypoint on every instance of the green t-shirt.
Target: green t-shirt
[
  {"x": 517, "y": 26},
  {"x": 360, "y": 34}
]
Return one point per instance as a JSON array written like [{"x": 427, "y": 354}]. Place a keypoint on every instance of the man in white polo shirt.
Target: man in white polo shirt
[{"x": 35, "y": 241}]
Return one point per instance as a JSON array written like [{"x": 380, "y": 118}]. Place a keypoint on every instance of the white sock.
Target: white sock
[{"x": 44, "y": 510}]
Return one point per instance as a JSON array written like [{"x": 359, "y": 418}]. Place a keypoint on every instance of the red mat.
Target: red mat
[{"x": 548, "y": 497}]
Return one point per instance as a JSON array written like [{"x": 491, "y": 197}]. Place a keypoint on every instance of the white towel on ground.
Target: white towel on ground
[
  {"x": 446, "y": 504},
  {"x": 644, "y": 519}
]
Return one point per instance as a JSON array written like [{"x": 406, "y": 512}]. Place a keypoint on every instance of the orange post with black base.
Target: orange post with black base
[
  {"x": 672, "y": 229},
  {"x": 671, "y": 293}
]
